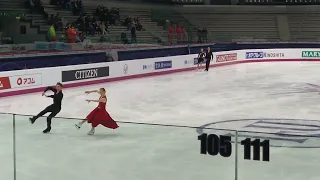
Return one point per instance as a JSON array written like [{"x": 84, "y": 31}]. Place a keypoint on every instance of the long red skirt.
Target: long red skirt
[{"x": 101, "y": 116}]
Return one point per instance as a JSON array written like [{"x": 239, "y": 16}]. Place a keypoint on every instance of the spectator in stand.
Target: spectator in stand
[
  {"x": 115, "y": 14},
  {"x": 184, "y": 35},
  {"x": 80, "y": 23},
  {"x": 52, "y": 34},
  {"x": 68, "y": 5},
  {"x": 103, "y": 28},
  {"x": 133, "y": 34},
  {"x": 58, "y": 22},
  {"x": 138, "y": 24},
  {"x": 205, "y": 34},
  {"x": 37, "y": 7},
  {"x": 71, "y": 34},
  {"x": 179, "y": 33},
  {"x": 124, "y": 38},
  {"x": 51, "y": 20},
  {"x": 77, "y": 7},
  {"x": 109, "y": 16},
  {"x": 81, "y": 37},
  {"x": 170, "y": 34}
]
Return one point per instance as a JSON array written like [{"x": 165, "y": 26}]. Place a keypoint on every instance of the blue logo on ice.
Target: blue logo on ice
[
  {"x": 163, "y": 65},
  {"x": 290, "y": 133},
  {"x": 254, "y": 55}
]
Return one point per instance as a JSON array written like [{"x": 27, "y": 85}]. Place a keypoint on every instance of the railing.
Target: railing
[{"x": 139, "y": 151}]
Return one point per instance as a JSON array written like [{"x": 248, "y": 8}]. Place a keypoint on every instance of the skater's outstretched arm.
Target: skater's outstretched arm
[
  {"x": 88, "y": 92},
  {"x": 104, "y": 100},
  {"x": 51, "y": 89}
]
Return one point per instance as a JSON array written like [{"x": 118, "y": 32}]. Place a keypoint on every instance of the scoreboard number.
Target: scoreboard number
[{"x": 213, "y": 145}]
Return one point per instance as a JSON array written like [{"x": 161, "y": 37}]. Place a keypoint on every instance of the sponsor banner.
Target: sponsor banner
[
  {"x": 186, "y": 62},
  {"x": 18, "y": 48},
  {"x": 311, "y": 54},
  {"x": 125, "y": 69},
  {"x": 226, "y": 57},
  {"x": 195, "y": 61},
  {"x": 5, "y": 83},
  {"x": 81, "y": 74},
  {"x": 26, "y": 80},
  {"x": 260, "y": 55},
  {"x": 5, "y": 48},
  {"x": 147, "y": 67},
  {"x": 52, "y": 46},
  {"x": 162, "y": 65}
]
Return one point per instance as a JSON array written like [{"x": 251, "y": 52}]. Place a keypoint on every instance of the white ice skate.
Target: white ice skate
[
  {"x": 91, "y": 132},
  {"x": 78, "y": 126}
]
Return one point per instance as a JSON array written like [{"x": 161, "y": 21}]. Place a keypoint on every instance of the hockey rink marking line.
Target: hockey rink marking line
[{"x": 293, "y": 137}]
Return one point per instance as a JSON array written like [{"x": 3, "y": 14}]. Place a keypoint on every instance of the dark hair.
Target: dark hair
[
  {"x": 103, "y": 89},
  {"x": 59, "y": 84}
]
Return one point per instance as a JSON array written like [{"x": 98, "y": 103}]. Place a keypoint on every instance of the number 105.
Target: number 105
[{"x": 213, "y": 144}]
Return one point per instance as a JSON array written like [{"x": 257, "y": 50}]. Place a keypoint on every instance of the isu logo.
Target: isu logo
[{"x": 226, "y": 57}]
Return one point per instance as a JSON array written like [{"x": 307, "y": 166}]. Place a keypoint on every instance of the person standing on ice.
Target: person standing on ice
[
  {"x": 209, "y": 57},
  {"x": 99, "y": 115},
  {"x": 54, "y": 108}
]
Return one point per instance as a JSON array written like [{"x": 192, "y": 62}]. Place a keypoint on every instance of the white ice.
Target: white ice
[{"x": 144, "y": 152}]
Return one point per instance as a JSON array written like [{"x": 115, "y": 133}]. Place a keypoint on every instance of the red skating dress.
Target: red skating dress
[{"x": 100, "y": 116}]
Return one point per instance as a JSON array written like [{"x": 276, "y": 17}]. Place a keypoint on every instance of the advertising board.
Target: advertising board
[
  {"x": 226, "y": 57},
  {"x": 81, "y": 74},
  {"x": 25, "y": 80}
]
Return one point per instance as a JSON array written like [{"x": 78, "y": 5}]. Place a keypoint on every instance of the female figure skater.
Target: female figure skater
[
  {"x": 200, "y": 58},
  {"x": 99, "y": 115}
]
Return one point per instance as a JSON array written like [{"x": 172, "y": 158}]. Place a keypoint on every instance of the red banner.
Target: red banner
[
  {"x": 226, "y": 57},
  {"x": 4, "y": 83}
]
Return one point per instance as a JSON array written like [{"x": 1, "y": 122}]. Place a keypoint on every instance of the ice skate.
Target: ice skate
[
  {"x": 32, "y": 120},
  {"x": 78, "y": 126},
  {"x": 91, "y": 132},
  {"x": 47, "y": 130}
]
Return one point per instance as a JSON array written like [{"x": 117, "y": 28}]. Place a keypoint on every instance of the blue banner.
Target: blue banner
[
  {"x": 254, "y": 55},
  {"x": 163, "y": 65},
  {"x": 53, "y": 46},
  {"x": 10, "y": 64}
]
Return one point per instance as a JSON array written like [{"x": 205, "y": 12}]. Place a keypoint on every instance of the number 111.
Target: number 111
[{"x": 247, "y": 143}]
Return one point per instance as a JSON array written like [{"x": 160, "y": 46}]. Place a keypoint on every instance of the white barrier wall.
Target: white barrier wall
[{"x": 81, "y": 74}]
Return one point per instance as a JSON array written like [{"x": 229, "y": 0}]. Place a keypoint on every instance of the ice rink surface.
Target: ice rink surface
[{"x": 260, "y": 97}]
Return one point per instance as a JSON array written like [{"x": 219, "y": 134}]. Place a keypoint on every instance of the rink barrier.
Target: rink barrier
[
  {"x": 72, "y": 85},
  {"x": 34, "y": 80}
]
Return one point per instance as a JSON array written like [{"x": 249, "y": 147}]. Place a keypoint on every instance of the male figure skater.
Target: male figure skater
[
  {"x": 53, "y": 108},
  {"x": 209, "y": 57}
]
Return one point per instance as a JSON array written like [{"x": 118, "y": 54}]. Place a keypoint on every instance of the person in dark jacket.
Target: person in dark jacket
[
  {"x": 54, "y": 108},
  {"x": 209, "y": 57}
]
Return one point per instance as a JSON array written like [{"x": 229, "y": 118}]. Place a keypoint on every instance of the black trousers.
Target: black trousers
[
  {"x": 208, "y": 64},
  {"x": 54, "y": 109}
]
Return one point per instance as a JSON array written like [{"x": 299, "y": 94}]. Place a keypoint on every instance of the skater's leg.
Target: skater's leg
[
  {"x": 91, "y": 132},
  {"x": 78, "y": 126},
  {"x": 49, "y": 118},
  {"x": 43, "y": 112},
  {"x": 207, "y": 65},
  {"x": 93, "y": 126}
]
